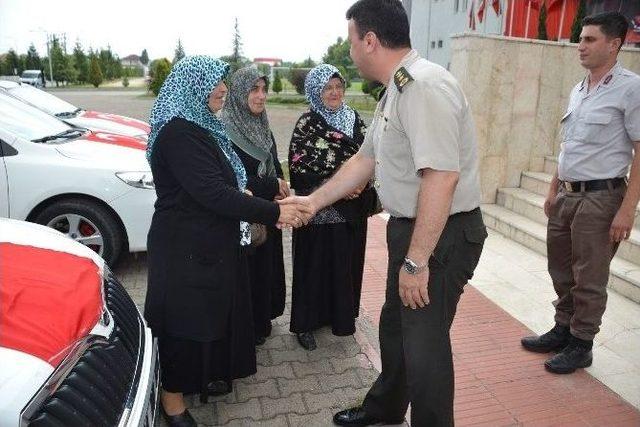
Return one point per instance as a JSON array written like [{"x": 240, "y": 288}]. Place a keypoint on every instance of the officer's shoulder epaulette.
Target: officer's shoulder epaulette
[{"x": 402, "y": 78}]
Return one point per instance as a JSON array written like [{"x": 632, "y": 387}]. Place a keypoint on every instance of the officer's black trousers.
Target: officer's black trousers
[{"x": 417, "y": 365}]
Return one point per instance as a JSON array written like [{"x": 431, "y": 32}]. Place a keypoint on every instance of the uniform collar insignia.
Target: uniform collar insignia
[
  {"x": 401, "y": 78},
  {"x": 582, "y": 84},
  {"x": 608, "y": 79}
]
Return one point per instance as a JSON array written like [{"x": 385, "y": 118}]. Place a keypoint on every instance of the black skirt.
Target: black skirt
[
  {"x": 185, "y": 364},
  {"x": 328, "y": 263},
  {"x": 266, "y": 274}
]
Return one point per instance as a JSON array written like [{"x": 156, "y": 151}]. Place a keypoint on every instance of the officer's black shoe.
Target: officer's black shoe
[
  {"x": 554, "y": 340},
  {"x": 356, "y": 417},
  {"x": 307, "y": 340},
  {"x": 577, "y": 354}
]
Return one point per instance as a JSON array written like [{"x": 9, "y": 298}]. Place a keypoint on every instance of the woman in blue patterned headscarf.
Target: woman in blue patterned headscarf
[
  {"x": 198, "y": 301},
  {"x": 328, "y": 256}
]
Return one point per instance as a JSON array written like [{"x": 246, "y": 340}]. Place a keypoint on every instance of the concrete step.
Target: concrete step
[
  {"x": 624, "y": 276},
  {"x": 530, "y": 205},
  {"x": 536, "y": 182}
]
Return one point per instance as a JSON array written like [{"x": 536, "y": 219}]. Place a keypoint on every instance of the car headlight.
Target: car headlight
[{"x": 137, "y": 179}]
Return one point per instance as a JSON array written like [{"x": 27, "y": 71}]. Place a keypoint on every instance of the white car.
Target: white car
[
  {"x": 93, "y": 120},
  {"x": 96, "y": 187},
  {"x": 33, "y": 78},
  {"x": 74, "y": 349}
]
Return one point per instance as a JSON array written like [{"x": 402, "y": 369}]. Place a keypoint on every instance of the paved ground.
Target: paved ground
[
  {"x": 497, "y": 382},
  {"x": 293, "y": 387}
]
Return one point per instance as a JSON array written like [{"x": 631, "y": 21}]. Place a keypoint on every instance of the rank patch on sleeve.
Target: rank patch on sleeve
[{"x": 401, "y": 78}]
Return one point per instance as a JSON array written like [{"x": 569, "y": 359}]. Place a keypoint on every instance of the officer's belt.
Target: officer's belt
[{"x": 593, "y": 185}]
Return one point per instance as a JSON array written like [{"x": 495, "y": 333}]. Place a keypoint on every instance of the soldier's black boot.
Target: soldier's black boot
[
  {"x": 554, "y": 340},
  {"x": 575, "y": 355}
]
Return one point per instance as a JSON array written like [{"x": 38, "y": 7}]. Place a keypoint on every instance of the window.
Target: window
[
  {"x": 433, "y": 45},
  {"x": 456, "y": 6},
  {"x": 439, "y": 43}
]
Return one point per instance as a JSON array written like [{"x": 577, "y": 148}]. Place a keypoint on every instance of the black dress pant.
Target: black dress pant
[{"x": 417, "y": 364}]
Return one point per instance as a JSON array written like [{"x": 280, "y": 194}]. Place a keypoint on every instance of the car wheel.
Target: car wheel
[{"x": 88, "y": 223}]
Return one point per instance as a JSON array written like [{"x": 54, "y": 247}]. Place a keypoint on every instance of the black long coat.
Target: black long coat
[{"x": 194, "y": 239}]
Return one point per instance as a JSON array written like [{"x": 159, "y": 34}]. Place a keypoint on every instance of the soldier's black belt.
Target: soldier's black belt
[{"x": 594, "y": 185}]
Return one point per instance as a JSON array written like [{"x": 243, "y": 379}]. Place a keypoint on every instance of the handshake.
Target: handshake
[{"x": 296, "y": 211}]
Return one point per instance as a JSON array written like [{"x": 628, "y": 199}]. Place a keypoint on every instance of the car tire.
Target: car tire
[{"x": 86, "y": 222}]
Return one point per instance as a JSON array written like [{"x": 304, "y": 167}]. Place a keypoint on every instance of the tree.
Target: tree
[
  {"x": 277, "y": 83},
  {"x": 365, "y": 87},
  {"x": 576, "y": 28},
  {"x": 338, "y": 55},
  {"x": 144, "y": 58},
  {"x": 58, "y": 60},
  {"x": 308, "y": 63},
  {"x": 110, "y": 64},
  {"x": 81, "y": 63},
  {"x": 297, "y": 77},
  {"x": 12, "y": 63},
  {"x": 70, "y": 73},
  {"x": 179, "y": 52},
  {"x": 95, "y": 73},
  {"x": 160, "y": 69},
  {"x": 125, "y": 77},
  {"x": 542, "y": 23},
  {"x": 33, "y": 61}
]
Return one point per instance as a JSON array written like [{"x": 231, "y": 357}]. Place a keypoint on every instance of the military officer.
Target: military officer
[
  {"x": 423, "y": 150},
  {"x": 591, "y": 208}
]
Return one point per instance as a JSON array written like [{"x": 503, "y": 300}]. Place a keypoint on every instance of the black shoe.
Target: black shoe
[
  {"x": 575, "y": 355},
  {"x": 356, "y": 417},
  {"x": 218, "y": 388},
  {"x": 181, "y": 420},
  {"x": 260, "y": 340},
  {"x": 554, "y": 340},
  {"x": 307, "y": 341}
]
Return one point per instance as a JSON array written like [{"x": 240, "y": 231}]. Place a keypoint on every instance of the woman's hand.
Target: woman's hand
[
  {"x": 294, "y": 214},
  {"x": 283, "y": 190}
]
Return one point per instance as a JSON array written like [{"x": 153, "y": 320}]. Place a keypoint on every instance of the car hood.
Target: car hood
[
  {"x": 119, "y": 152},
  {"x": 51, "y": 297},
  {"x": 112, "y": 123}
]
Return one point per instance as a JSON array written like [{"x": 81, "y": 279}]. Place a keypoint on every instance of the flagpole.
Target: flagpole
[
  {"x": 564, "y": 6},
  {"x": 485, "y": 16},
  {"x": 503, "y": 22},
  {"x": 526, "y": 30},
  {"x": 511, "y": 18}
]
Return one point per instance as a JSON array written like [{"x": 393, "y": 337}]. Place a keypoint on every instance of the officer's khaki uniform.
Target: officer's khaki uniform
[
  {"x": 599, "y": 131},
  {"x": 423, "y": 121}
]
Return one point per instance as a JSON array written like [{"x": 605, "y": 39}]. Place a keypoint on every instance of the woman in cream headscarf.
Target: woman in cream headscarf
[{"x": 247, "y": 124}]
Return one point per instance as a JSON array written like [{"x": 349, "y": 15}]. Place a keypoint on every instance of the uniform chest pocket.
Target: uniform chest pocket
[{"x": 593, "y": 128}]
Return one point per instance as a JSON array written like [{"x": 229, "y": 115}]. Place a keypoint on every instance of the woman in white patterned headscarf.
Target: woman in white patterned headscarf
[{"x": 328, "y": 254}]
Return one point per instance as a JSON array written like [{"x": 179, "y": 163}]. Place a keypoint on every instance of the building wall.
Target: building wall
[
  {"x": 518, "y": 91},
  {"x": 432, "y": 22}
]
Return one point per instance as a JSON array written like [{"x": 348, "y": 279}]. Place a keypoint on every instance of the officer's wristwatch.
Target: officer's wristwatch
[{"x": 411, "y": 267}]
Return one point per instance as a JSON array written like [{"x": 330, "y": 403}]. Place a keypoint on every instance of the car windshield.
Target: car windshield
[
  {"x": 43, "y": 100},
  {"x": 30, "y": 74},
  {"x": 27, "y": 122}
]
